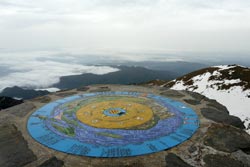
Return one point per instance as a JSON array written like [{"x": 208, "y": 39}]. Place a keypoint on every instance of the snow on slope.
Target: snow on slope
[
  {"x": 229, "y": 85},
  {"x": 53, "y": 89}
]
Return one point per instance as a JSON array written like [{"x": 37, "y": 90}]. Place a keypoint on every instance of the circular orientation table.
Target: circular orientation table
[{"x": 113, "y": 124}]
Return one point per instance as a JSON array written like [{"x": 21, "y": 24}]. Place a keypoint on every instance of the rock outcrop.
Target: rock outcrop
[
  {"x": 14, "y": 148},
  {"x": 6, "y": 102}
]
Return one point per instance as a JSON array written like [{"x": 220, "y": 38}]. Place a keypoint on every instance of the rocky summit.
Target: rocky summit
[
  {"x": 219, "y": 141},
  {"x": 228, "y": 84}
]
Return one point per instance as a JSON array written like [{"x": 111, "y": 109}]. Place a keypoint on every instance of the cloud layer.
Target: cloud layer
[
  {"x": 193, "y": 25},
  {"x": 29, "y": 71}
]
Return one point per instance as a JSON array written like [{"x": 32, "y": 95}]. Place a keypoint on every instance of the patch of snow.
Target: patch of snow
[
  {"x": 230, "y": 72},
  {"x": 216, "y": 73},
  {"x": 49, "y": 89},
  {"x": 232, "y": 81},
  {"x": 201, "y": 81},
  {"x": 224, "y": 67},
  {"x": 235, "y": 99},
  {"x": 17, "y": 98},
  {"x": 179, "y": 86},
  {"x": 225, "y": 82}
]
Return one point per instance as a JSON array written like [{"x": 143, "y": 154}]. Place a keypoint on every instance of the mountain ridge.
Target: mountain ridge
[
  {"x": 228, "y": 84},
  {"x": 125, "y": 75}
]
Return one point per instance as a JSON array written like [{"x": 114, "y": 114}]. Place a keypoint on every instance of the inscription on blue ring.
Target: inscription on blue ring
[{"x": 74, "y": 137}]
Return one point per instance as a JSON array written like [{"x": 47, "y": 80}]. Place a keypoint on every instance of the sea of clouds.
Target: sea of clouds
[{"x": 41, "y": 70}]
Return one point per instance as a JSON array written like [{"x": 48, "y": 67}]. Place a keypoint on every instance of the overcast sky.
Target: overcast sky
[
  {"x": 127, "y": 25},
  {"x": 41, "y": 40}
]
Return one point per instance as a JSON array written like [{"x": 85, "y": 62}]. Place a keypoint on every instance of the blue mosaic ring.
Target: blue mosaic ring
[{"x": 113, "y": 124}]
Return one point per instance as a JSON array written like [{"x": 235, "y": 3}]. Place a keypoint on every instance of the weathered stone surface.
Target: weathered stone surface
[
  {"x": 172, "y": 93},
  {"x": 21, "y": 110},
  {"x": 216, "y": 105},
  {"x": 84, "y": 88},
  {"x": 212, "y": 160},
  {"x": 196, "y": 96},
  {"x": 52, "y": 162},
  {"x": 192, "y": 102},
  {"x": 101, "y": 89},
  {"x": 14, "y": 150},
  {"x": 246, "y": 150},
  {"x": 65, "y": 94},
  {"x": 134, "y": 164},
  {"x": 42, "y": 99},
  {"x": 241, "y": 156},
  {"x": 227, "y": 138},
  {"x": 120, "y": 164},
  {"x": 192, "y": 149},
  {"x": 222, "y": 117},
  {"x": 173, "y": 160},
  {"x": 6, "y": 118}
]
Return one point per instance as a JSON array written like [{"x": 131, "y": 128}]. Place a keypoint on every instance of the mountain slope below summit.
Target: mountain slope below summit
[
  {"x": 18, "y": 92},
  {"x": 228, "y": 84},
  {"x": 126, "y": 75}
]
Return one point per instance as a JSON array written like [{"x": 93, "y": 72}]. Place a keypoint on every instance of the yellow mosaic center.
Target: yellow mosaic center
[{"x": 93, "y": 114}]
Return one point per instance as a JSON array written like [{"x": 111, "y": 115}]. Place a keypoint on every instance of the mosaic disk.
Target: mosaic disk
[{"x": 112, "y": 124}]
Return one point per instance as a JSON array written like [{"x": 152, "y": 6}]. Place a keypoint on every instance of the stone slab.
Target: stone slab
[{"x": 14, "y": 151}]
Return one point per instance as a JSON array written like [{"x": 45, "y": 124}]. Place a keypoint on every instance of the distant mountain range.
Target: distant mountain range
[
  {"x": 22, "y": 93},
  {"x": 125, "y": 75},
  {"x": 178, "y": 68}
]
